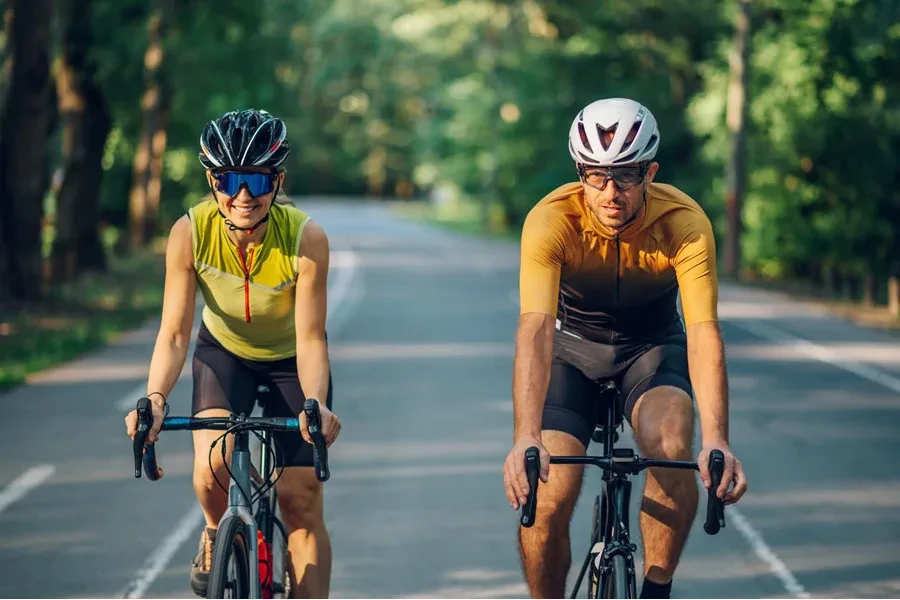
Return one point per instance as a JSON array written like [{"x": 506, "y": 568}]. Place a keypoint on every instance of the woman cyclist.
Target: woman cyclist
[{"x": 262, "y": 267}]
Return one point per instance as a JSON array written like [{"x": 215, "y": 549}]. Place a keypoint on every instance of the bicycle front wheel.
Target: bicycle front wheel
[
  {"x": 281, "y": 577},
  {"x": 229, "y": 574},
  {"x": 615, "y": 582}
]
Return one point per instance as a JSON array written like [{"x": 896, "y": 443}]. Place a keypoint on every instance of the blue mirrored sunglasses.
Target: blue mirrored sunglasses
[{"x": 258, "y": 184}]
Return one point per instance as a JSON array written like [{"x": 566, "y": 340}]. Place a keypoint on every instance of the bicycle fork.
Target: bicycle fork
[
  {"x": 611, "y": 518},
  {"x": 239, "y": 491}
]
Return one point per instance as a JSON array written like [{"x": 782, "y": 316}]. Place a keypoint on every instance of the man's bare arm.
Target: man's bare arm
[
  {"x": 706, "y": 363},
  {"x": 531, "y": 372},
  {"x": 531, "y": 376}
]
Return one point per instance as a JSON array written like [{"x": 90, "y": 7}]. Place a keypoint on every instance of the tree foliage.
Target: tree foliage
[{"x": 472, "y": 100}]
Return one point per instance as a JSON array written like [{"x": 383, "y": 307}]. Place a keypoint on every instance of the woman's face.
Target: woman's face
[{"x": 243, "y": 208}]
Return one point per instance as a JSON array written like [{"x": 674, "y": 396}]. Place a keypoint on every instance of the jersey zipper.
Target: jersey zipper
[
  {"x": 245, "y": 265},
  {"x": 612, "y": 335},
  {"x": 618, "y": 254}
]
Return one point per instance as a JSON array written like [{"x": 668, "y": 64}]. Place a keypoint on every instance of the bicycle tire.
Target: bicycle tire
[
  {"x": 231, "y": 542},
  {"x": 281, "y": 577},
  {"x": 598, "y": 535},
  {"x": 615, "y": 582}
]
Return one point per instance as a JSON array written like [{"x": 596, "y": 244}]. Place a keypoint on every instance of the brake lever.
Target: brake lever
[
  {"x": 715, "y": 506},
  {"x": 320, "y": 449},
  {"x": 532, "y": 469},
  {"x": 145, "y": 422}
]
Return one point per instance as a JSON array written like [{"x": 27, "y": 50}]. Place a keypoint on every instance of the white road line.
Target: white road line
[
  {"x": 349, "y": 301},
  {"x": 338, "y": 294},
  {"x": 813, "y": 350},
  {"x": 762, "y": 550},
  {"x": 157, "y": 561},
  {"x": 24, "y": 483},
  {"x": 775, "y": 334},
  {"x": 341, "y": 286}
]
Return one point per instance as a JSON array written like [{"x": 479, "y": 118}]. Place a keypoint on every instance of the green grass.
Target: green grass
[{"x": 79, "y": 317}]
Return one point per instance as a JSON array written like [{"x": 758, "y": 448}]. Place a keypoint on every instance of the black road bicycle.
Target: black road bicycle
[
  {"x": 249, "y": 557},
  {"x": 611, "y": 553}
]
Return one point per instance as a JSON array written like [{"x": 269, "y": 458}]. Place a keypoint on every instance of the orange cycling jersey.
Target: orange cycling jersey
[{"x": 610, "y": 287}]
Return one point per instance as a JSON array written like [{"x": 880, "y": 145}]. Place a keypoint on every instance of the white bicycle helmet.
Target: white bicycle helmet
[{"x": 613, "y": 131}]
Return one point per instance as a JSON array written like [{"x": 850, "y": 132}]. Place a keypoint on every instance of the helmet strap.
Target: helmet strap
[{"x": 232, "y": 227}]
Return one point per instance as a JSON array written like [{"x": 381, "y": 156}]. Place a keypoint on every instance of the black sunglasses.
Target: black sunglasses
[{"x": 624, "y": 177}]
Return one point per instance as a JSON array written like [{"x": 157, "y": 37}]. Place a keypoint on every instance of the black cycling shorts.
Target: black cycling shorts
[
  {"x": 580, "y": 366},
  {"x": 224, "y": 380}
]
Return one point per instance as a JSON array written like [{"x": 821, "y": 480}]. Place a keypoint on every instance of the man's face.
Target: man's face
[{"x": 616, "y": 194}]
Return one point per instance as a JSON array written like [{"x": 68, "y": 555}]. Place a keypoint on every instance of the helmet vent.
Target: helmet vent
[{"x": 606, "y": 135}]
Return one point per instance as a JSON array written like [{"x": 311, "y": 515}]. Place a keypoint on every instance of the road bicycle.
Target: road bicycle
[
  {"x": 610, "y": 557},
  {"x": 249, "y": 556}
]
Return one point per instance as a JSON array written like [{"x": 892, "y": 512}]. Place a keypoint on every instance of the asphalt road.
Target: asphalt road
[{"x": 421, "y": 324}]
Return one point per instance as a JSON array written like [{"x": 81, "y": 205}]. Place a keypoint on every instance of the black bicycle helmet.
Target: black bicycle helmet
[{"x": 250, "y": 138}]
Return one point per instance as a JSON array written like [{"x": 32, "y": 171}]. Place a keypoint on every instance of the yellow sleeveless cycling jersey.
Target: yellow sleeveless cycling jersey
[{"x": 249, "y": 296}]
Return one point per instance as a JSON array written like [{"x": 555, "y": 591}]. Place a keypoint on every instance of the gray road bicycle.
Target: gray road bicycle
[{"x": 249, "y": 558}]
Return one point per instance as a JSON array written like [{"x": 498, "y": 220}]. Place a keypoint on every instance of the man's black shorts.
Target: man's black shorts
[{"x": 580, "y": 366}]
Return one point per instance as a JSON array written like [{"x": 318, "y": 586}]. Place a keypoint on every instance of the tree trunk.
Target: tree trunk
[
  {"x": 6, "y": 58},
  {"x": 24, "y": 161},
  {"x": 86, "y": 124},
  {"x": 155, "y": 176},
  {"x": 736, "y": 116},
  {"x": 491, "y": 47},
  {"x": 870, "y": 289},
  {"x": 894, "y": 296},
  {"x": 830, "y": 279},
  {"x": 143, "y": 202},
  {"x": 5, "y": 294}
]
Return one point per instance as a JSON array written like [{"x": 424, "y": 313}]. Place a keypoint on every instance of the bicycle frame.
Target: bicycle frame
[
  {"x": 239, "y": 507},
  {"x": 612, "y": 517},
  {"x": 266, "y": 520},
  {"x": 610, "y": 534}
]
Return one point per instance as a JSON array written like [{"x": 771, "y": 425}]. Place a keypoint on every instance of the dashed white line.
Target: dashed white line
[
  {"x": 774, "y": 334},
  {"x": 338, "y": 291},
  {"x": 24, "y": 483}
]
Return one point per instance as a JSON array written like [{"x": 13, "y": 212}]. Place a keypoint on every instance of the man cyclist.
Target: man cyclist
[
  {"x": 262, "y": 267},
  {"x": 602, "y": 262}
]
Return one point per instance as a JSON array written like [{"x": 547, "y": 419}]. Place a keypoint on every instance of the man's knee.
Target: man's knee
[
  {"x": 664, "y": 423},
  {"x": 300, "y": 498}
]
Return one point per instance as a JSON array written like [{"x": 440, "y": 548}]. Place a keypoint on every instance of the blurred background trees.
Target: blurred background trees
[{"x": 782, "y": 117}]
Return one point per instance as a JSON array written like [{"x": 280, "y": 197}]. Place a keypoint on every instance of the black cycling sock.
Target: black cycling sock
[{"x": 651, "y": 589}]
